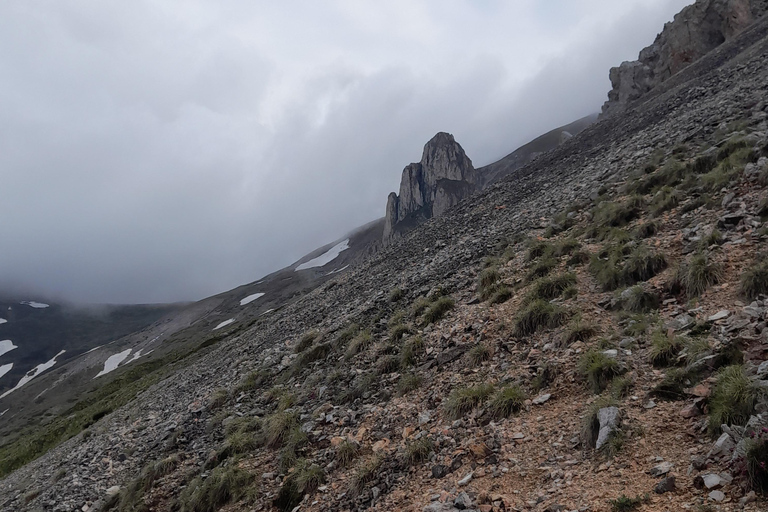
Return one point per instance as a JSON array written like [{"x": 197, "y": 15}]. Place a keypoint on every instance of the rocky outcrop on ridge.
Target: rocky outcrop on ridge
[
  {"x": 442, "y": 178},
  {"x": 695, "y": 31}
]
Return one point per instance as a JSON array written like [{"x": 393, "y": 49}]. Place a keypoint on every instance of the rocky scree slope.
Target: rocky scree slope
[
  {"x": 695, "y": 31},
  {"x": 276, "y": 416}
]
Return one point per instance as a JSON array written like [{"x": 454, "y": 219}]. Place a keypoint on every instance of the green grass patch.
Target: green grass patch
[
  {"x": 461, "y": 401},
  {"x": 506, "y": 401},
  {"x": 538, "y": 315},
  {"x": 598, "y": 369}
]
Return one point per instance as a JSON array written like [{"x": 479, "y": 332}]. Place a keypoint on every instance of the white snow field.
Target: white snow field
[
  {"x": 6, "y": 346},
  {"x": 113, "y": 361},
  {"x": 5, "y": 369},
  {"x": 325, "y": 258},
  {"x": 250, "y": 298},
  {"x": 224, "y": 323},
  {"x": 136, "y": 355},
  {"x": 3, "y": 321},
  {"x": 34, "y": 372},
  {"x": 36, "y": 305}
]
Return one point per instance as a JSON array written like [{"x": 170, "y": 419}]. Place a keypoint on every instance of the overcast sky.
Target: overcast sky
[{"x": 161, "y": 151}]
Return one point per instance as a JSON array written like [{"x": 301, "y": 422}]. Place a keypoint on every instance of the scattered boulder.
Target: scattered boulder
[{"x": 609, "y": 419}]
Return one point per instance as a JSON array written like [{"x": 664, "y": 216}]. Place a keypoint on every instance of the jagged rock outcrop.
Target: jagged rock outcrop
[
  {"x": 695, "y": 31},
  {"x": 442, "y": 178}
]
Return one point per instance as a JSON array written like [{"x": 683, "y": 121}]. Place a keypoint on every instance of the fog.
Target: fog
[{"x": 167, "y": 151}]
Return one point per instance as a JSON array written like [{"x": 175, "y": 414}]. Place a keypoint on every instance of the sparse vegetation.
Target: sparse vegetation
[
  {"x": 218, "y": 398},
  {"x": 223, "y": 485},
  {"x": 506, "y": 401},
  {"x": 733, "y": 399},
  {"x": 359, "y": 343},
  {"x": 346, "y": 452},
  {"x": 626, "y": 504},
  {"x": 461, "y": 401},
  {"x": 541, "y": 268},
  {"x": 306, "y": 341},
  {"x": 418, "y": 451},
  {"x": 539, "y": 314},
  {"x": 598, "y": 369},
  {"x": 487, "y": 283},
  {"x": 396, "y": 295},
  {"x": 664, "y": 348},
  {"x": 438, "y": 310},
  {"x": 479, "y": 354},
  {"x": 698, "y": 274},
  {"x": 501, "y": 294},
  {"x": 638, "y": 300},
  {"x": 278, "y": 427},
  {"x": 365, "y": 473},
  {"x": 549, "y": 288},
  {"x": 408, "y": 382},
  {"x": 754, "y": 280}
]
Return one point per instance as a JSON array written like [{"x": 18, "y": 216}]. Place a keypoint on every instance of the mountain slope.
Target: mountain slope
[{"x": 255, "y": 400}]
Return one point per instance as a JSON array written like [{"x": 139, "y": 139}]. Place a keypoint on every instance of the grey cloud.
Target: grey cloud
[{"x": 144, "y": 158}]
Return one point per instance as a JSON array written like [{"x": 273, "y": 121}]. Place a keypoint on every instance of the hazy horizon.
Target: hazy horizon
[{"x": 164, "y": 153}]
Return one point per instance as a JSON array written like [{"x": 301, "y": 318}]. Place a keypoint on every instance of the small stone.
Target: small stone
[
  {"x": 424, "y": 417},
  {"x": 439, "y": 471},
  {"x": 750, "y": 497},
  {"x": 723, "y": 446},
  {"x": 721, "y": 315},
  {"x": 466, "y": 479},
  {"x": 518, "y": 435},
  {"x": 113, "y": 490},
  {"x": 462, "y": 501},
  {"x": 717, "y": 496},
  {"x": 541, "y": 399},
  {"x": 665, "y": 485},
  {"x": 661, "y": 469},
  {"x": 708, "y": 481},
  {"x": 690, "y": 411},
  {"x": 762, "y": 370}
]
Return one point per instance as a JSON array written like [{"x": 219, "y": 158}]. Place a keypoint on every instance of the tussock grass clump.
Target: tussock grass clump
[
  {"x": 278, "y": 427},
  {"x": 411, "y": 351},
  {"x": 539, "y": 314},
  {"x": 486, "y": 282},
  {"x": 579, "y": 257},
  {"x": 626, "y": 504},
  {"x": 507, "y": 401},
  {"x": 537, "y": 249},
  {"x": 253, "y": 381},
  {"x": 408, "y": 382},
  {"x": 419, "y": 306},
  {"x": 566, "y": 247},
  {"x": 418, "y": 451},
  {"x": 579, "y": 331},
  {"x": 617, "y": 214},
  {"x": 665, "y": 199},
  {"x": 598, "y": 369},
  {"x": 642, "y": 264},
  {"x": 223, "y": 485},
  {"x": 754, "y": 280},
  {"x": 664, "y": 349},
  {"x": 733, "y": 399},
  {"x": 757, "y": 463},
  {"x": 359, "y": 343},
  {"x": 438, "y": 310},
  {"x": 365, "y": 473},
  {"x": 398, "y": 332},
  {"x": 501, "y": 294},
  {"x": 218, "y": 398},
  {"x": 347, "y": 335},
  {"x": 645, "y": 230},
  {"x": 545, "y": 375},
  {"x": 672, "y": 386},
  {"x": 550, "y": 287},
  {"x": 479, "y": 354},
  {"x": 703, "y": 164},
  {"x": 132, "y": 497},
  {"x": 620, "y": 387},
  {"x": 346, "y": 452},
  {"x": 243, "y": 424},
  {"x": 638, "y": 300},
  {"x": 715, "y": 237},
  {"x": 388, "y": 364},
  {"x": 304, "y": 480},
  {"x": 316, "y": 353},
  {"x": 396, "y": 295},
  {"x": 461, "y": 401},
  {"x": 306, "y": 341},
  {"x": 697, "y": 274},
  {"x": 541, "y": 268}
]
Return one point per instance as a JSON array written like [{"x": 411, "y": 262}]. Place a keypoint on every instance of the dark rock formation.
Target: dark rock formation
[
  {"x": 695, "y": 31},
  {"x": 444, "y": 177}
]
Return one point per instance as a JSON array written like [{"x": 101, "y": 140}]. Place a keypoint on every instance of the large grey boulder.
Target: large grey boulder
[
  {"x": 695, "y": 31},
  {"x": 609, "y": 419},
  {"x": 442, "y": 178}
]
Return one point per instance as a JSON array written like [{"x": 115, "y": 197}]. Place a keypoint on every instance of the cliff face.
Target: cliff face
[
  {"x": 695, "y": 31},
  {"x": 442, "y": 178}
]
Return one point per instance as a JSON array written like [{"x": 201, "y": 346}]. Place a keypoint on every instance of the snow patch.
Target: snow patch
[
  {"x": 5, "y": 369},
  {"x": 326, "y": 257},
  {"x": 3, "y": 321},
  {"x": 94, "y": 348},
  {"x": 336, "y": 271},
  {"x": 33, "y": 304},
  {"x": 5, "y": 411},
  {"x": 250, "y": 298},
  {"x": 34, "y": 372},
  {"x": 225, "y": 322},
  {"x": 6, "y": 346},
  {"x": 135, "y": 356},
  {"x": 113, "y": 361}
]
